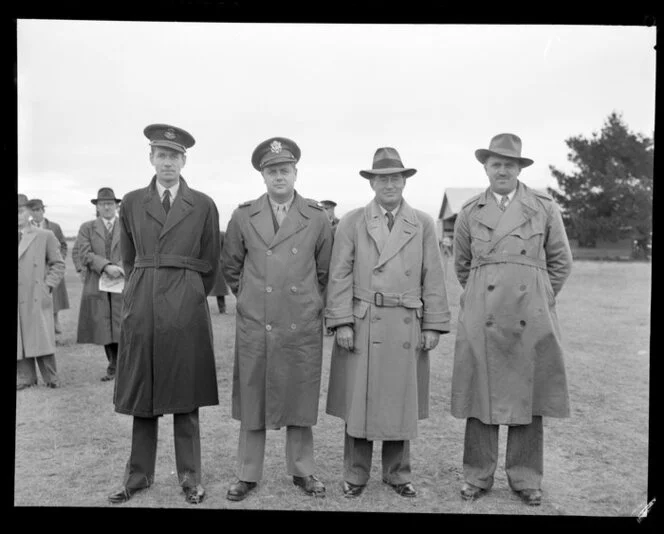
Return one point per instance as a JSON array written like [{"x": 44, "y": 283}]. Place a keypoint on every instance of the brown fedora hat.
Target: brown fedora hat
[
  {"x": 506, "y": 145},
  {"x": 387, "y": 161},
  {"x": 105, "y": 193}
]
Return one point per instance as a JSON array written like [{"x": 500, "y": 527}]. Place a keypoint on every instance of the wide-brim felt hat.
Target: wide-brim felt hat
[
  {"x": 506, "y": 145},
  {"x": 35, "y": 204},
  {"x": 169, "y": 136},
  {"x": 22, "y": 200},
  {"x": 105, "y": 193},
  {"x": 387, "y": 161},
  {"x": 275, "y": 150}
]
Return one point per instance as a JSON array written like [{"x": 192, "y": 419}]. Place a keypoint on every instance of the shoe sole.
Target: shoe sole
[{"x": 238, "y": 498}]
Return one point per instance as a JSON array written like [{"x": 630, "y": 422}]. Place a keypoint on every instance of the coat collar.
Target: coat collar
[
  {"x": 404, "y": 229},
  {"x": 523, "y": 207},
  {"x": 182, "y": 205},
  {"x": 260, "y": 216},
  {"x": 29, "y": 234}
]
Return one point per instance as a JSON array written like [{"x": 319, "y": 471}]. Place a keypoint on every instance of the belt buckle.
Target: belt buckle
[{"x": 382, "y": 299}]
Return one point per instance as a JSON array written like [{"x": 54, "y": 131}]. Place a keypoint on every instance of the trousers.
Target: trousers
[
  {"x": 139, "y": 471},
  {"x": 299, "y": 453},
  {"x": 111, "y": 350},
  {"x": 26, "y": 370},
  {"x": 524, "y": 455},
  {"x": 357, "y": 460}
]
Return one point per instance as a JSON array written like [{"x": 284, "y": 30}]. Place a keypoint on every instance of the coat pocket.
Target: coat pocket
[{"x": 360, "y": 308}]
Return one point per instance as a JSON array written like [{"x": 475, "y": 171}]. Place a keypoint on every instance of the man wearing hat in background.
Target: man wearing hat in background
[
  {"x": 512, "y": 258},
  {"x": 387, "y": 301},
  {"x": 328, "y": 206},
  {"x": 60, "y": 297},
  {"x": 276, "y": 256},
  {"x": 220, "y": 289},
  {"x": 98, "y": 244},
  {"x": 40, "y": 269},
  {"x": 169, "y": 238}
]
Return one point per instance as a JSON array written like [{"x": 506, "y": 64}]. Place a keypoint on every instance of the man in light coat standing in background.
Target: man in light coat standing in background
[
  {"x": 40, "y": 269},
  {"x": 512, "y": 257},
  {"x": 275, "y": 259},
  {"x": 387, "y": 301}
]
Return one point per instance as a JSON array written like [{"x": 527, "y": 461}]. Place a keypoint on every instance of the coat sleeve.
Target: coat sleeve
[
  {"x": 210, "y": 247},
  {"x": 55, "y": 228},
  {"x": 557, "y": 250},
  {"x": 233, "y": 253},
  {"x": 75, "y": 256},
  {"x": 462, "y": 251},
  {"x": 127, "y": 248},
  {"x": 55, "y": 264},
  {"x": 89, "y": 258},
  {"x": 323, "y": 253},
  {"x": 436, "y": 313},
  {"x": 339, "y": 305}
]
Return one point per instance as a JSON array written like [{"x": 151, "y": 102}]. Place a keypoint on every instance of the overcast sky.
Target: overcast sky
[{"x": 87, "y": 89}]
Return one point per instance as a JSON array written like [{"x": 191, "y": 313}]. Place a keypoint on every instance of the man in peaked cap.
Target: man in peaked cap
[
  {"x": 169, "y": 240},
  {"x": 275, "y": 260},
  {"x": 98, "y": 252},
  {"x": 387, "y": 302},
  {"x": 512, "y": 257},
  {"x": 40, "y": 269},
  {"x": 328, "y": 206},
  {"x": 60, "y": 297}
]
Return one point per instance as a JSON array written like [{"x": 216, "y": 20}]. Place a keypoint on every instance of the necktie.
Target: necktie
[
  {"x": 166, "y": 202},
  {"x": 109, "y": 225},
  {"x": 390, "y": 220},
  {"x": 281, "y": 213},
  {"x": 503, "y": 202}
]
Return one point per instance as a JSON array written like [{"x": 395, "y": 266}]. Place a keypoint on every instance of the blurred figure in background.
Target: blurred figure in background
[
  {"x": 40, "y": 269},
  {"x": 220, "y": 289},
  {"x": 99, "y": 252},
  {"x": 328, "y": 206},
  {"x": 60, "y": 297}
]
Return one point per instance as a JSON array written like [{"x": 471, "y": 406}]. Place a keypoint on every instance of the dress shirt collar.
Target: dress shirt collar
[
  {"x": 173, "y": 189},
  {"x": 286, "y": 204}
]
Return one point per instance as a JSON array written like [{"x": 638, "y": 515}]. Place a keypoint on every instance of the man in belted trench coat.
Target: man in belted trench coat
[
  {"x": 275, "y": 258},
  {"x": 512, "y": 257},
  {"x": 40, "y": 269},
  {"x": 387, "y": 301},
  {"x": 98, "y": 252},
  {"x": 169, "y": 239}
]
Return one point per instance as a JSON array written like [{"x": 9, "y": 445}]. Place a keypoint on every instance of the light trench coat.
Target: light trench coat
[
  {"x": 508, "y": 358},
  {"x": 381, "y": 388}
]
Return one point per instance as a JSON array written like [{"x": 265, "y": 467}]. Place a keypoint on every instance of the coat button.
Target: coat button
[
  {"x": 268, "y": 327},
  {"x": 268, "y": 252},
  {"x": 376, "y": 318},
  {"x": 294, "y": 250},
  {"x": 293, "y": 326},
  {"x": 522, "y": 287},
  {"x": 408, "y": 272},
  {"x": 268, "y": 289},
  {"x": 491, "y": 287},
  {"x": 407, "y": 320},
  {"x": 293, "y": 289},
  {"x": 523, "y": 252},
  {"x": 406, "y": 345},
  {"x": 489, "y": 323},
  {"x": 522, "y": 322}
]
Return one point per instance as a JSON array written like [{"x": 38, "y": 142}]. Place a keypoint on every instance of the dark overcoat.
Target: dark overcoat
[
  {"x": 99, "y": 316},
  {"x": 60, "y": 296},
  {"x": 279, "y": 280},
  {"x": 381, "y": 388},
  {"x": 220, "y": 288},
  {"x": 508, "y": 358},
  {"x": 166, "y": 358},
  {"x": 40, "y": 269}
]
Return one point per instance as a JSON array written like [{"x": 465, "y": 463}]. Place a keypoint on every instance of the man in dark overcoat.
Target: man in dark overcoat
[
  {"x": 60, "y": 296},
  {"x": 98, "y": 250},
  {"x": 169, "y": 239},
  {"x": 276, "y": 256},
  {"x": 220, "y": 289},
  {"x": 512, "y": 257}
]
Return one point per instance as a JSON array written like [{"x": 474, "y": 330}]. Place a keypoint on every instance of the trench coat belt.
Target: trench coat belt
[
  {"x": 172, "y": 260},
  {"x": 408, "y": 299},
  {"x": 507, "y": 258}
]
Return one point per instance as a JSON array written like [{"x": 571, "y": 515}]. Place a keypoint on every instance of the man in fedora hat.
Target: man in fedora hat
[
  {"x": 60, "y": 297},
  {"x": 387, "y": 302},
  {"x": 169, "y": 239},
  {"x": 512, "y": 258},
  {"x": 40, "y": 269},
  {"x": 276, "y": 256},
  {"x": 98, "y": 253}
]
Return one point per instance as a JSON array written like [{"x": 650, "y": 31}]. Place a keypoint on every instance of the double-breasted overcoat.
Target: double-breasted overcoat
[
  {"x": 99, "y": 317},
  {"x": 166, "y": 359},
  {"x": 279, "y": 279},
  {"x": 389, "y": 287},
  {"x": 40, "y": 269},
  {"x": 508, "y": 359}
]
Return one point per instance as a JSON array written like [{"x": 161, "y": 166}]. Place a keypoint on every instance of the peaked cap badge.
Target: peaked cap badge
[
  {"x": 275, "y": 146},
  {"x": 170, "y": 134}
]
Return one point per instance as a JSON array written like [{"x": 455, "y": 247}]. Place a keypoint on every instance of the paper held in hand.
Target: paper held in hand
[{"x": 111, "y": 285}]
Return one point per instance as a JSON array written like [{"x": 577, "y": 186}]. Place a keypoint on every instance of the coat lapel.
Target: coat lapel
[
  {"x": 182, "y": 207},
  {"x": 404, "y": 229},
  {"x": 28, "y": 237},
  {"x": 518, "y": 212},
  {"x": 152, "y": 204},
  {"x": 372, "y": 218},
  {"x": 295, "y": 220},
  {"x": 115, "y": 240},
  {"x": 100, "y": 228},
  {"x": 260, "y": 216},
  {"x": 490, "y": 213}
]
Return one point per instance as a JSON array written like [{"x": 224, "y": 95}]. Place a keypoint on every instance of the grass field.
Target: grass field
[{"x": 71, "y": 447}]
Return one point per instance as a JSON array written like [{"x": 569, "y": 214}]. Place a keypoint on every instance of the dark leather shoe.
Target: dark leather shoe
[
  {"x": 122, "y": 495},
  {"x": 52, "y": 385},
  {"x": 239, "y": 490},
  {"x": 352, "y": 490},
  {"x": 532, "y": 497},
  {"x": 106, "y": 378},
  {"x": 405, "y": 490},
  {"x": 471, "y": 492},
  {"x": 310, "y": 485},
  {"x": 195, "y": 494}
]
